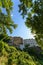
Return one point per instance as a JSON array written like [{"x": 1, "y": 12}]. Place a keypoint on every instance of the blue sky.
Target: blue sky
[{"x": 21, "y": 30}]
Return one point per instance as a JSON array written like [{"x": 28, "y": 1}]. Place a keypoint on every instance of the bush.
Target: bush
[{"x": 17, "y": 57}]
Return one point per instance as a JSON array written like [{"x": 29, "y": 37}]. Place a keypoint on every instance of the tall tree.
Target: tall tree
[
  {"x": 6, "y": 22},
  {"x": 33, "y": 9}
]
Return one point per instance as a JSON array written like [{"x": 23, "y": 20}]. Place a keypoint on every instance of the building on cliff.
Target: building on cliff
[{"x": 20, "y": 42}]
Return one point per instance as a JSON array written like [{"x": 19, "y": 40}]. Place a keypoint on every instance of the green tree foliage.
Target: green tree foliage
[
  {"x": 4, "y": 37},
  {"x": 6, "y": 22},
  {"x": 9, "y": 55},
  {"x": 34, "y": 20},
  {"x": 17, "y": 57}
]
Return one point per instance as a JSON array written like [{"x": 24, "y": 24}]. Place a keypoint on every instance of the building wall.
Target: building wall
[
  {"x": 31, "y": 42},
  {"x": 15, "y": 41},
  {"x": 22, "y": 46}
]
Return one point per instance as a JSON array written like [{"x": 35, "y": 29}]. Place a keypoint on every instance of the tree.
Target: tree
[
  {"x": 33, "y": 9},
  {"x": 6, "y": 22}
]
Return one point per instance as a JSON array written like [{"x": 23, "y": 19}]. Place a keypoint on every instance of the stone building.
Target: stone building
[
  {"x": 20, "y": 42},
  {"x": 15, "y": 41}
]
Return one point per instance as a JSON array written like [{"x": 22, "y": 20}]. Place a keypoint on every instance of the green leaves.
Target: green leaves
[
  {"x": 0, "y": 4},
  {"x": 34, "y": 13},
  {"x": 24, "y": 6},
  {"x": 6, "y": 22}
]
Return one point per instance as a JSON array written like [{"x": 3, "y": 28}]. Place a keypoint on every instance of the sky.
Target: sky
[{"x": 21, "y": 30}]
